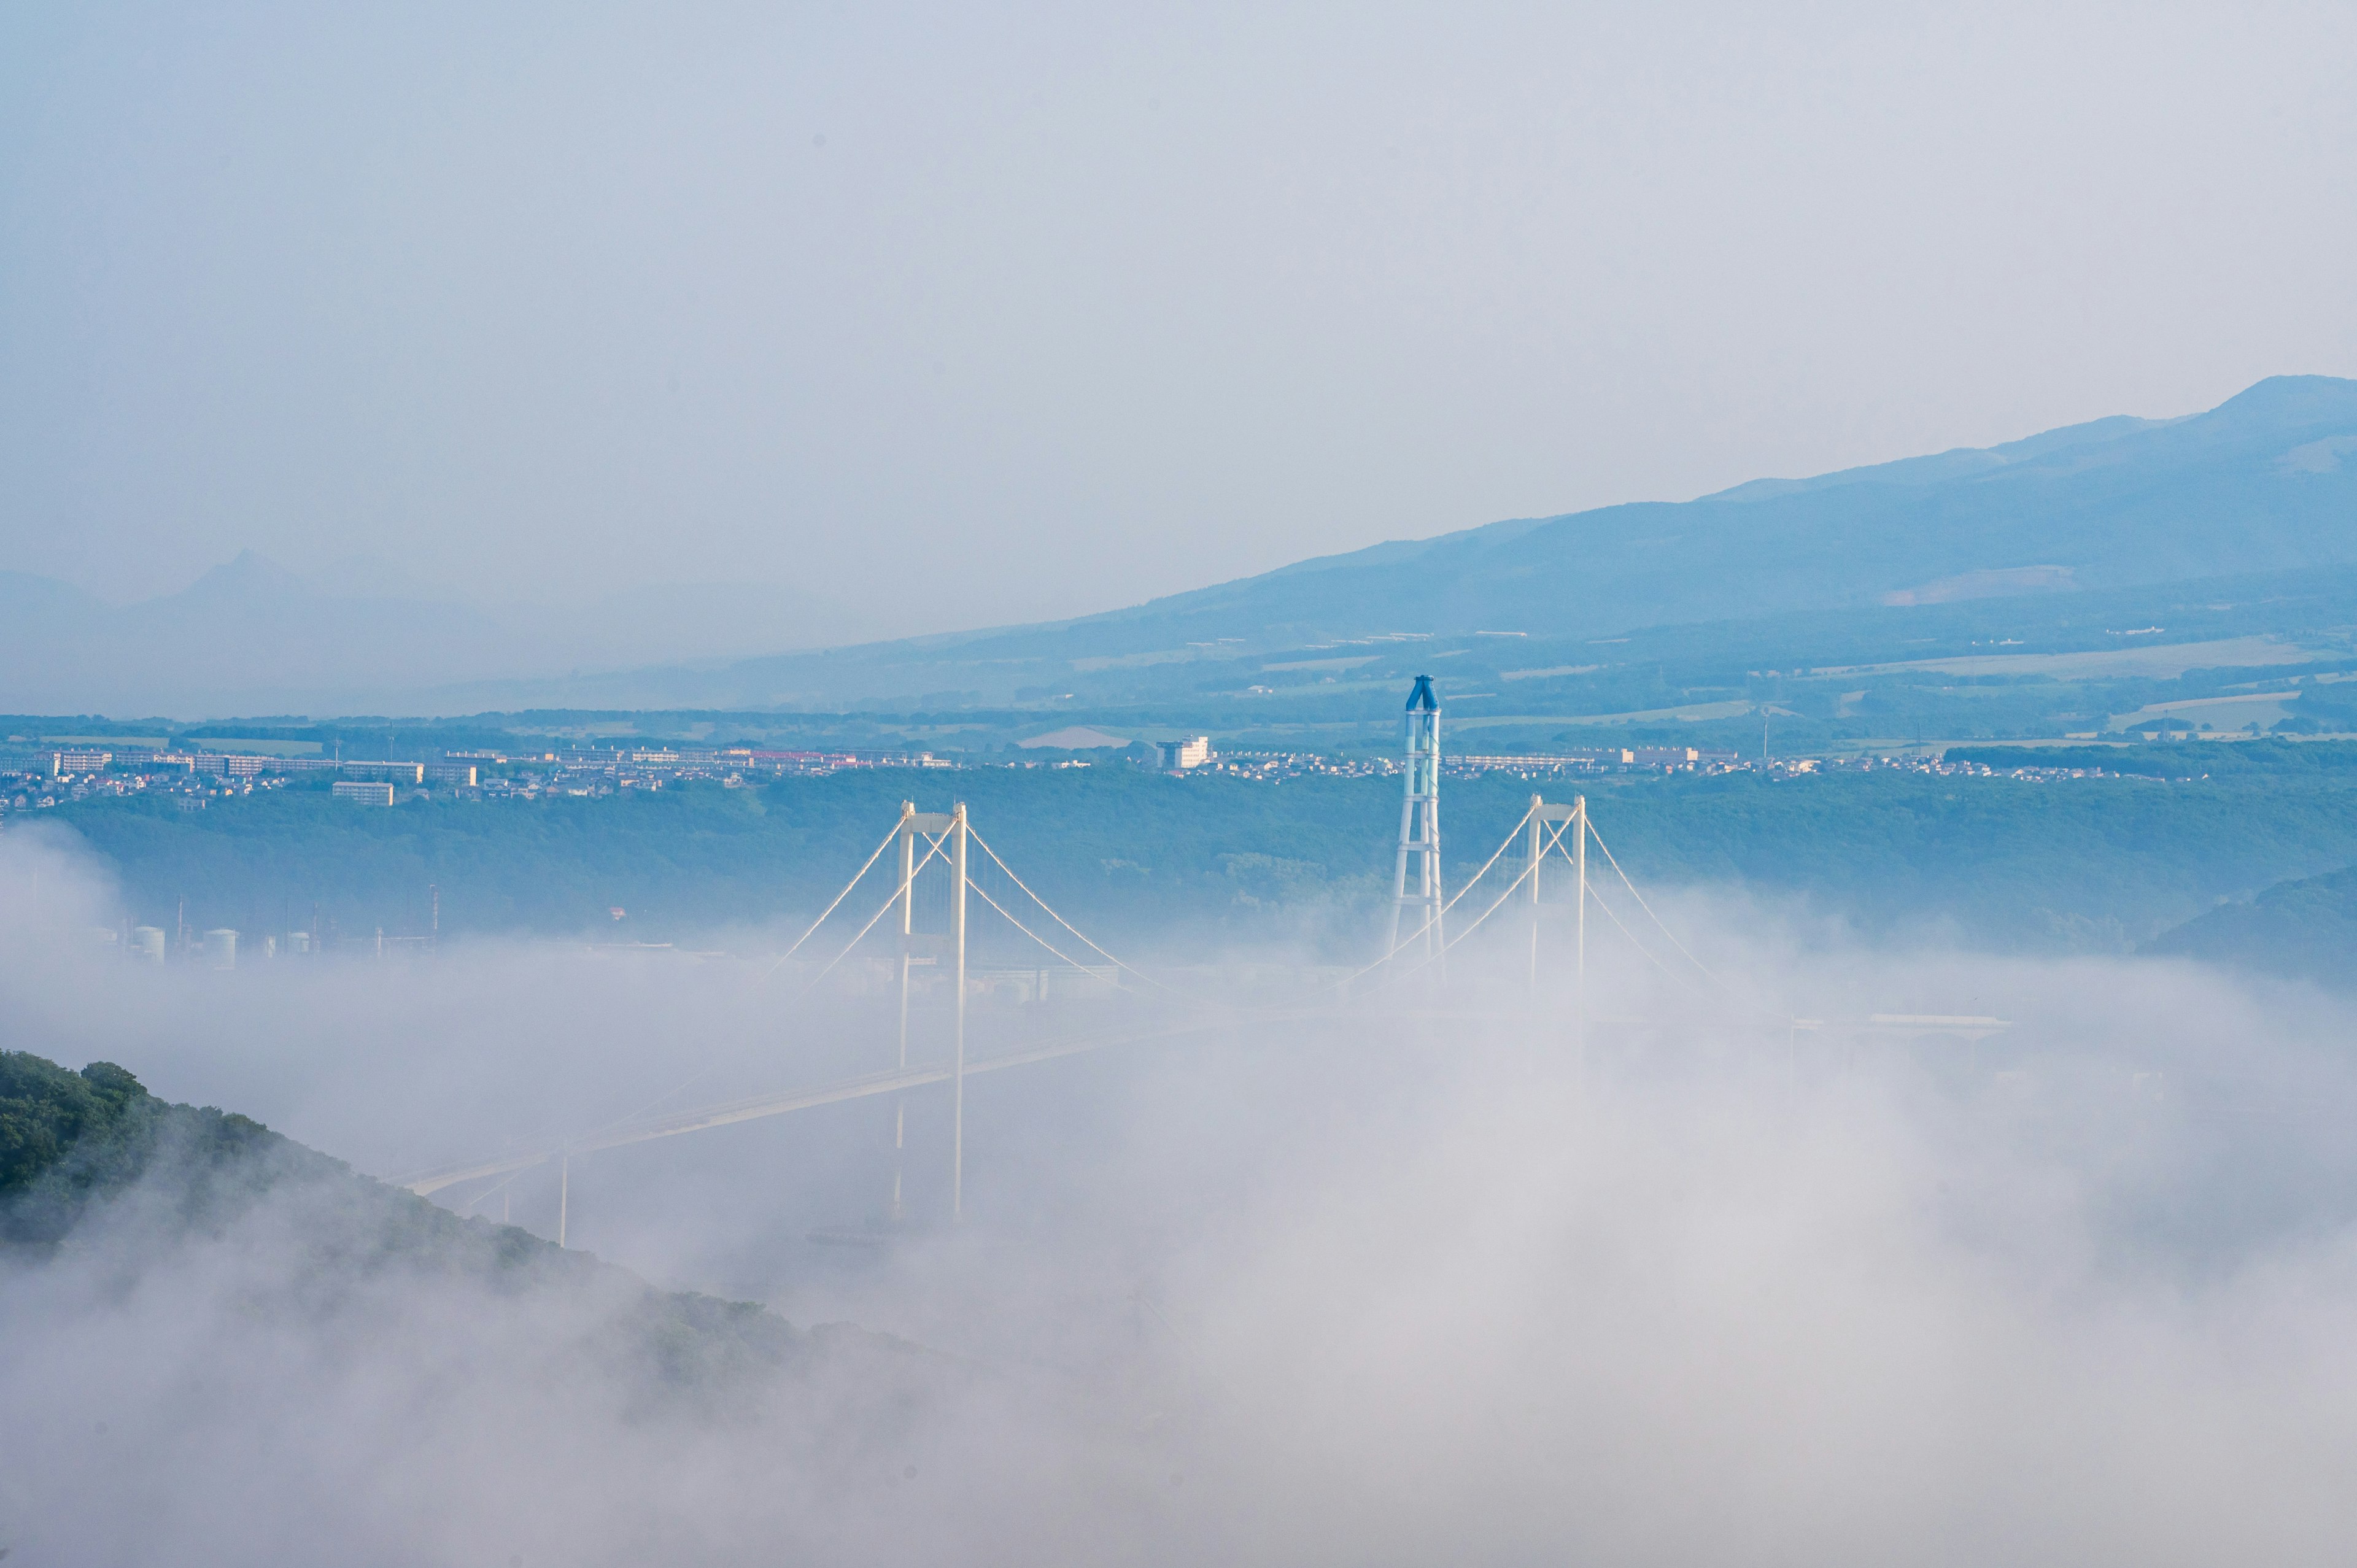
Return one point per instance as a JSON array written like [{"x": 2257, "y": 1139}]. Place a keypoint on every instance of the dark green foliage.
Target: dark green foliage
[
  {"x": 78, "y": 1147},
  {"x": 2087, "y": 863},
  {"x": 75, "y": 1139},
  {"x": 2305, "y": 928},
  {"x": 45, "y": 1112},
  {"x": 1202, "y": 861}
]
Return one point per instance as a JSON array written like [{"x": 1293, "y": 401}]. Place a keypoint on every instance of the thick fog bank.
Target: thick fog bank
[{"x": 1455, "y": 1280}]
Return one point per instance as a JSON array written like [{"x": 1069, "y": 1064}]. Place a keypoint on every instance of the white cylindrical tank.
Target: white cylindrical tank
[
  {"x": 220, "y": 948},
  {"x": 147, "y": 943}
]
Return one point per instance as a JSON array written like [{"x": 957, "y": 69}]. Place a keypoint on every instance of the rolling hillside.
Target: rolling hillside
[
  {"x": 2239, "y": 521},
  {"x": 2305, "y": 929},
  {"x": 2253, "y": 494}
]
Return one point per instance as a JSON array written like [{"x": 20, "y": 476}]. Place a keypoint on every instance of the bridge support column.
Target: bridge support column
[
  {"x": 907, "y": 929},
  {"x": 957, "y": 1077},
  {"x": 1579, "y": 868},
  {"x": 1416, "y": 879},
  {"x": 1534, "y": 847}
]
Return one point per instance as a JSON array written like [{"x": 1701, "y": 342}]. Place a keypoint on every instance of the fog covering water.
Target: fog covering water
[{"x": 1401, "y": 1288}]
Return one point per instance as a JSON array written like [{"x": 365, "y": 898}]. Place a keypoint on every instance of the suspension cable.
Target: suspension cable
[
  {"x": 976, "y": 888},
  {"x": 1495, "y": 905},
  {"x": 1060, "y": 920},
  {"x": 1642, "y": 905},
  {"x": 708, "y": 1068},
  {"x": 1507, "y": 843},
  {"x": 830, "y": 908},
  {"x": 1501, "y": 897},
  {"x": 934, "y": 849},
  {"x": 1398, "y": 947},
  {"x": 1650, "y": 956}
]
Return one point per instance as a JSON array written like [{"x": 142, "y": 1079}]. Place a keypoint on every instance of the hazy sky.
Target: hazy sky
[{"x": 985, "y": 313}]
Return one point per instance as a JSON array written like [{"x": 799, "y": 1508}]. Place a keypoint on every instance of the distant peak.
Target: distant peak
[
  {"x": 251, "y": 563},
  {"x": 2293, "y": 397},
  {"x": 249, "y": 572}
]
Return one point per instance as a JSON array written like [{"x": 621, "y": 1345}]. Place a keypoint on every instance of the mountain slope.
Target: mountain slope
[
  {"x": 2261, "y": 487},
  {"x": 2266, "y": 482},
  {"x": 2263, "y": 484},
  {"x": 92, "y": 1158}
]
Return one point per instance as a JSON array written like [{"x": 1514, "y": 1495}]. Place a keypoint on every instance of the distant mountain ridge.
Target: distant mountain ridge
[
  {"x": 2264, "y": 483},
  {"x": 2116, "y": 502}
]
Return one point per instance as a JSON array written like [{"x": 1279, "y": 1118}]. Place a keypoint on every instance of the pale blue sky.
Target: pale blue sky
[{"x": 1073, "y": 305}]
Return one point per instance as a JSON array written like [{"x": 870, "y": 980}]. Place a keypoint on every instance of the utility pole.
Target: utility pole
[
  {"x": 957, "y": 941},
  {"x": 908, "y": 927},
  {"x": 1419, "y": 837}
]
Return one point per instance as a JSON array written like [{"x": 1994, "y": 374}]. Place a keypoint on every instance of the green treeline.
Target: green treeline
[
  {"x": 75, "y": 1146},
  {"x": 2102, "y": 863}
]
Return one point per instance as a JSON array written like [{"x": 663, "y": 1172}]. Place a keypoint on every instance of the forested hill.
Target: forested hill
[
  {"x": 2305, "y": 929},
  {"x": 1207, "y": 865},
  {"x": 90, "y": 1158}
]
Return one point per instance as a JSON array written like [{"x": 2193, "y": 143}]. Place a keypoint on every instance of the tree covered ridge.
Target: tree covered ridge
[
  {"x": 1214, "y": 862},
  {"x": 2306, "y": 928},
  {"x": 92, "y": 1160},
  {"x": 64, "y": 1135}
]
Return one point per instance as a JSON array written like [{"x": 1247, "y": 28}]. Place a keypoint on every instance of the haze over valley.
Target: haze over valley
[{"x": 1268, "y": 786}]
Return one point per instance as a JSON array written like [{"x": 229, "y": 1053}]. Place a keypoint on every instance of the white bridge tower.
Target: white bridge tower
[{"x": 1415, "y": 886}]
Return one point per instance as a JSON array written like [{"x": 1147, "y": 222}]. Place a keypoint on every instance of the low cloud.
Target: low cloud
[{"x": 1689, "y": 1285}]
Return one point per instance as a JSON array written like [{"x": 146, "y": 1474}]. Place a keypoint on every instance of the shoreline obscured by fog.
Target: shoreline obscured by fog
[{"x": 1386, "y": 1291}]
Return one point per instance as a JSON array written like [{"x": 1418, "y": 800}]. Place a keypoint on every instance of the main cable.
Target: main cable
[
  {"x": 1495, "y": 905},
  {"x": 976, "y": 888},
  {"x": 831, "y": 907},
  {"x": 1642, "y": 905},
  {"x": 1060, "y": 920},
  {"x": 708, "y": 1068},
  {"x": 1399, "y": 947}
]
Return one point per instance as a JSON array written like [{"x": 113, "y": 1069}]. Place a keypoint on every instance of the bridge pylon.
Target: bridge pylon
[
  {"x": 1418, "y": 902},
  {"x": 1535, "y": 850},
  {"x": 931, "y": 825}
]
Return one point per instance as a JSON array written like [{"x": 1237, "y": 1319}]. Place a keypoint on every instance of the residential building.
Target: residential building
[
  {"x": 396, "y": 772},
  {"x": 1178, "y": 756}
]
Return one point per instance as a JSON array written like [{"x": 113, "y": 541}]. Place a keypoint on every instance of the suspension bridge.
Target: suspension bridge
[{"x": 940, "y": 863}]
